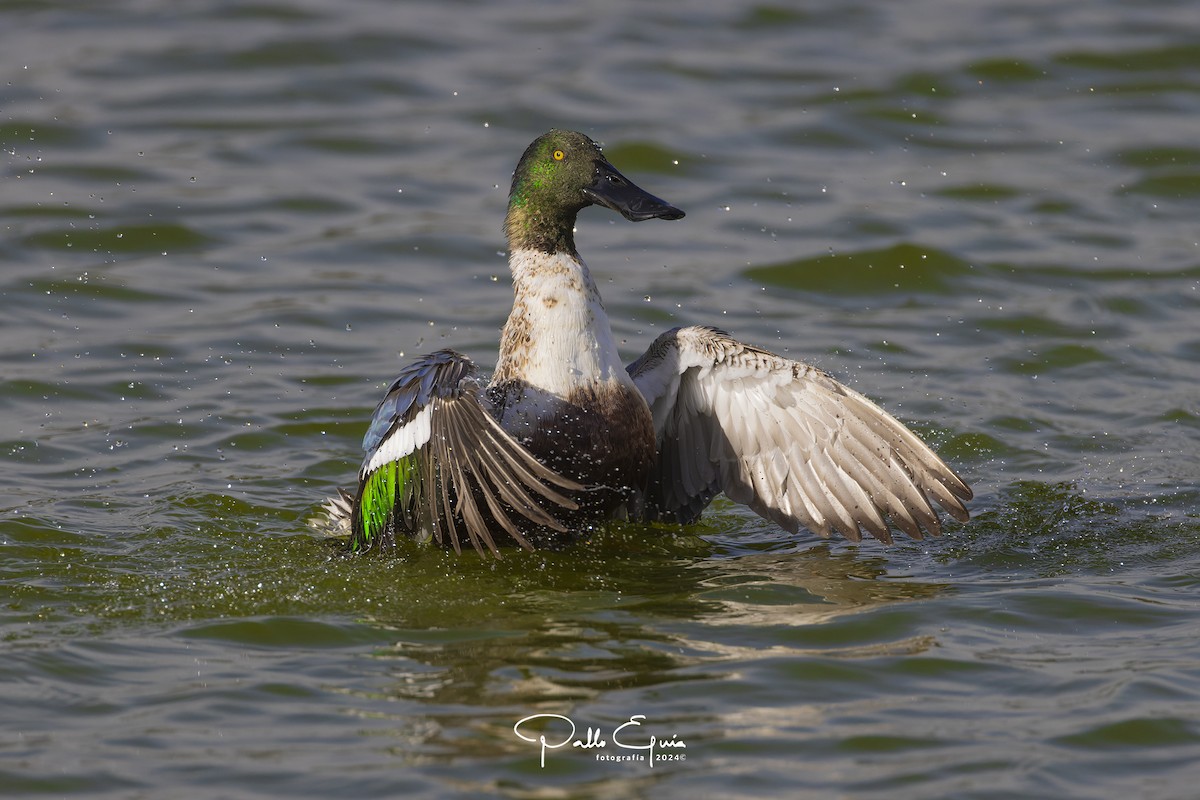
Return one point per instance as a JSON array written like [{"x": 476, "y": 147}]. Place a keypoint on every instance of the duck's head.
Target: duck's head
[{"x": 561, "y": 173}]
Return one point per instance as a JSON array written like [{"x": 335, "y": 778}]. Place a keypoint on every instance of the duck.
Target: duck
[{"x": 565, "y": 437}]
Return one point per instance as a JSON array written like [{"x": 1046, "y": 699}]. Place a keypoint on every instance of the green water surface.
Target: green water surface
[{"x": 225, "y": 227}]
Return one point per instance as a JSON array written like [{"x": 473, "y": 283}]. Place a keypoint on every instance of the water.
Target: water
[{"x": 224, "y": 227}]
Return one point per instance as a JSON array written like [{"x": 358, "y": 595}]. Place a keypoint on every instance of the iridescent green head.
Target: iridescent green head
[{"x": 560, "y": 173}]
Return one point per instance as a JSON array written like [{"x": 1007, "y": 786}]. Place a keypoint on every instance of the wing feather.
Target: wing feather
[
  {"x": 787, "y": 440},
  {"x": 437, "y": 464}
]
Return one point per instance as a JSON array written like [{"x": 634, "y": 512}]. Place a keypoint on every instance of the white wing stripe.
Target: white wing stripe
[{"x": 401, "y": 442}]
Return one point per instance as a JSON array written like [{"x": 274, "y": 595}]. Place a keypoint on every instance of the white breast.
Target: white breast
[{"x": 558, "y": 337}]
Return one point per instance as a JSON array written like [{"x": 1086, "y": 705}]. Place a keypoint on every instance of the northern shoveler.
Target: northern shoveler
[{"x": 565, "y": 436}]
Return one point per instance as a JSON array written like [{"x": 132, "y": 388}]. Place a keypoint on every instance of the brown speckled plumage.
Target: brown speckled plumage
[{"x": 600, "y": 435}]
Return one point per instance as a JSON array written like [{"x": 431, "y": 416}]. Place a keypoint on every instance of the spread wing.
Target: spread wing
[
  {"x": 438, "y": 464},
  {"x": 787, "y": 440}
]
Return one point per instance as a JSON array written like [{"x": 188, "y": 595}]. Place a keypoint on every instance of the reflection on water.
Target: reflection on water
[
  {"x": 652, "y": 628},
  {"x": 809, "y": 586},
  {"x": 576, "y": 645}
]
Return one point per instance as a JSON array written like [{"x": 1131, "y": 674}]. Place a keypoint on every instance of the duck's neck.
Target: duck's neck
[
  {"x": 532, "y": 225},
  {"x": 557, "y": 338}
]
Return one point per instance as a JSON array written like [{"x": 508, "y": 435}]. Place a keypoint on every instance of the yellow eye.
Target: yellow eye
[{"x": 559, "y": 155}]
